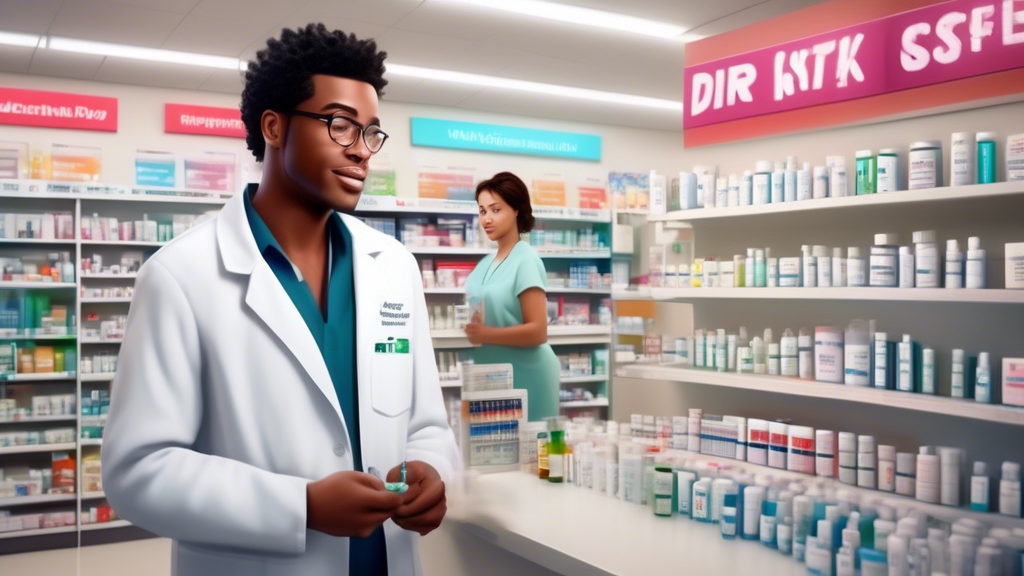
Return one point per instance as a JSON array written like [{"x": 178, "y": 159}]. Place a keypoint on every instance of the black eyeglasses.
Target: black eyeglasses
[{"x": 345, "y": 131}]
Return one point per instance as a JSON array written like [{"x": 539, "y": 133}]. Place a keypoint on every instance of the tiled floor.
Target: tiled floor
[{"x": 150, "y": 557}]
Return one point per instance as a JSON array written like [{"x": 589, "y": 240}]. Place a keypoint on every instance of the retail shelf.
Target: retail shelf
[
  {"x": 633, "y": 212},
  {"x": 39, "y": 532},
  {"x": 595, "y": 403},
  {"x": 557, "y": 335},
  {"x": 94, "y": 495},
  {"x": 577, "y": 255},
  {"x": 839, "y": 392},
  {"x": 37, "y": 285},
  {"x": 89, "y": 420},
  {"x": 98, "y": 377},
  {"x": 42, "y": 377},
  {"x": 598, "y": 291},
  {"x": 40, "y": 419},
  {"x": 106, "y": 525},
  {"x": 572, "y": 530},
  {"x": 37, "y": 448},
  {"x": 907, "y": 197},
  {"x": 30, "y": 241},
  {"x": 51, "y": 189},
  {"x": 102, "y": 340},
  {"x": 123, "y": 300},
  {"x": 444, "y": 290},
  {"x": 450, "y": 251},
  {"x": 584, "y": 379},
  {"x": 382, "y": 205},
  {"x": 629, "y": 333},
  {"x": 125, "y": 243},
  {"x": 989, "y": 296},
  {"x": 4, "y": 335},
  {"x": 107, "y": 275},
  {"x": 451, "y": 383},
  {"x": 40, "y": 499},
  {"x": 91, "y": 441},
  {"x": 641, "y": 293}
]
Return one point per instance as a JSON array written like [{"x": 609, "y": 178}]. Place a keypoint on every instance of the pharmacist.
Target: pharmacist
[{"x": 278, "y": 353}]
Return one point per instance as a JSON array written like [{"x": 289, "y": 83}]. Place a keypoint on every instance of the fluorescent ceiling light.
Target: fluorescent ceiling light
[
  {"x": 15, "y": 39},
  {"x": 137, "y": 53},
  {"x": 580, "y": 15},
  {"x": 535, "y": 87}
]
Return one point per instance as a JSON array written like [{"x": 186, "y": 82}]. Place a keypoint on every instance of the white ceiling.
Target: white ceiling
[{"x": 425, "y": 33}]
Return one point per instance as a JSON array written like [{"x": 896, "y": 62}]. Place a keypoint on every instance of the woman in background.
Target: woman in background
[{"x": 511, "y": 285}]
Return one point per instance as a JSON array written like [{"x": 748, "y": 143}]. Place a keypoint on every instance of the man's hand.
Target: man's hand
[
  {"x": 349, "y": 504},
  {"x": 424, "y": 503},
  {"x": 476, "y": 332}
]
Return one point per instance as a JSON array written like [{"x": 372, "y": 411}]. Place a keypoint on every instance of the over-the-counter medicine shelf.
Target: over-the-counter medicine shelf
[
  {"x": 34, "y": 448},
  {"x": 39, "y": 499},
  {"x": 962, "y": 408},
  {"x": 108, "y": 276},
  {"x": 988, "y": 296},
  {"x": 37, "y": 285},
  {"x": 394, "y": 204},
  {"x": 38, "y": 419},
  {"x": 106, "y": 525},
  {"x": 598, "y": 291},
  {"x": 47, "y": 242},
  {"x": 557, "y": 336},
  {"x": 904, "y": 197},
  {"x": 595, "y": 403},
  {"x": 135, "y": 243},
  {"x": 583, "y": 379},
  {"x": 47, "y": 189},
  {"x": 39, "y": 532},
  {"x": 37, "y": 377},
  {"x": 122, "y": 300},
  {"x": 98, "y": 377},
  {"x": 542, "y": 251},
  {"x": 23, "y": 335}
]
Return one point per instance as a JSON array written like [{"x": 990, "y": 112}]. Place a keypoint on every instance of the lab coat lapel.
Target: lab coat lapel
[{"x": 267, "y": 298}]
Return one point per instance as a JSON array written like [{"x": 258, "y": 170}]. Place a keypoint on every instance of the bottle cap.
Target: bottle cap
[
  {"x": 886, "y": 239},
  {"x": 887, "y": 151},
  {"x": 747, "y": 174},
  {"x": 979, "y": 469},
  {"x": 904, "y": 250},
  {"x": 807, "y": 166},
  {"x": 763, "y": 166},
  {"x": 791, "y": 163},
  {"x": 1011, "y": 471},
  {"x": 926, "y": 451},
  {"x": 906, "y": 338},
  {"x": 853, "y": 252},
  {"x": 886, "y": 452},
  {"x": 928, "y": 356},
  {"x": 734, "y": 180},
  {"x": 820, "y": 252},
  {"x": 863, "y": 154},
  {"x": 958, "y": 356},
  {"x": 837, "y": 252},
  {"x": 865, "y": 444},
  {"x": 758, "y": 253},
  {"x": 847, "y": 442},
  {"x": 950, "y": 456},
  {"x": 986, "y": 136},
  {"x": 779, "y": 166},
  {"x": 974, "y": 243},
  {"x": 820, "y": 171},
  {"x": 983, "y": 360},
  {"x": 881, "y": 336},
  {"x": 924, "y": 236},
  {"x": 952, "y": 245},
  {"x": 926, "y": 144}
]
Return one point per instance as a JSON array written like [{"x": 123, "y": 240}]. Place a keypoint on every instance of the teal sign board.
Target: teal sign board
[{"x": 435, "y": 133}]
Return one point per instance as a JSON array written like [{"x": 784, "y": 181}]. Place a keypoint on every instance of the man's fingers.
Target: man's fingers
[{"x": 426, "y": 500}]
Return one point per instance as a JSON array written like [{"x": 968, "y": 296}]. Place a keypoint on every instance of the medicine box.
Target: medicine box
[
  {"x": 1013, "y": 381},
  {"x": 1015, "y": 265}
]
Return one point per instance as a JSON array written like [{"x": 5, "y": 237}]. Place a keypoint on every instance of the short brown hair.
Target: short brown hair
[{"x": 514, "y": 192}]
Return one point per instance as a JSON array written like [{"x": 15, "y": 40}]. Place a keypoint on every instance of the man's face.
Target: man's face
[{"x": 332, "y": 175}]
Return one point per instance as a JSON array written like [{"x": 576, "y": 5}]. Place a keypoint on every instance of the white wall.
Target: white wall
[{"x": 141, "y": 127}]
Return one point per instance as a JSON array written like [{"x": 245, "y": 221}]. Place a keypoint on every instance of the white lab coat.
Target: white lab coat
[{"x": 223, "y": 409}]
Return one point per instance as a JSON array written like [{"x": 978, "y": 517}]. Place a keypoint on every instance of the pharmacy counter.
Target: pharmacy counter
[{"x": 576, "y": 531}]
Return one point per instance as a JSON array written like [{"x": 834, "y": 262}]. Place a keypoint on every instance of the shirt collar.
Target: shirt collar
[{"x": 336, "y": 248}]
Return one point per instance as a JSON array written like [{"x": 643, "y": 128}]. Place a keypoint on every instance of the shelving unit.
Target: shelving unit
[
  {"x": 595, "y": 403},
  {"x": 583, "y": 379},
  {"x": 961, "y": 408},
  {"x": 79, "y": 198},
  {"x": 987, "y": 296},
  {"x": 455, "y": 340}
]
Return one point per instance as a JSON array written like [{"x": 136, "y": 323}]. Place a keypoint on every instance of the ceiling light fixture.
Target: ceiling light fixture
[
  {"x": 138, "y": 53},
  {"x": 16, "y": 39},
  {"x": 535, "y": 87},
  {"x": 580, "y": 15}
]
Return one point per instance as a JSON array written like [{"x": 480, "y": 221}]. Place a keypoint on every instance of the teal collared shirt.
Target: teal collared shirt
[{"x": 335, "y": 334}]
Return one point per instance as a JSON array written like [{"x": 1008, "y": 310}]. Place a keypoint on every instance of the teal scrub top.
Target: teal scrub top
[
  {"x": 333, "y": 330},
  {"x": 535, "y": 368}
]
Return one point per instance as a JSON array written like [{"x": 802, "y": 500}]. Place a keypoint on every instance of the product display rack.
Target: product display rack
[
  {"x": 79, "y": 198},
  {"x": 939, "y": 295},
  {"x": 558, "y": 336}
]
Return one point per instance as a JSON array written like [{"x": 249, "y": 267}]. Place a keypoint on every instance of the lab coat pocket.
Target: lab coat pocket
[{"x": 392, "y": 382}]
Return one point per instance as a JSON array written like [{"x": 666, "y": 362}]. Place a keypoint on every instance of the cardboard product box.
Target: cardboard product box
[
  {"x": 1013, "y": 381},
  {"x": 44, "y": 359}
]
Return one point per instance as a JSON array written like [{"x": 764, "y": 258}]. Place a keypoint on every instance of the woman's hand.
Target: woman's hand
[{"x": 477, "y": 332}]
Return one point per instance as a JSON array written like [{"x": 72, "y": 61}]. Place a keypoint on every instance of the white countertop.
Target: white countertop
[{"x": 576, "y": 531}]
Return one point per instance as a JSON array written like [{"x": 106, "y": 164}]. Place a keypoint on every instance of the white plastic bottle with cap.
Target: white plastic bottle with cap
[
  {"x": 1009, "y": 490},
  {"x": 824, "y": 266},
  {"x": 980, "y": 488},
  {"x": 805, "y": 354},
  {"x": 790, "y": 179},
  {"x": 820, "y": 182},
  {"x": 856, "y": 270},
  {"x": 762, "y": 182},
  {"x": 983, "y": 382},
  {"x": 957, "y": 377},
  {"x": 881, "y": 377},
  {"x": 810, "y": 267},
  {"x": 928, "y": 371},
  {"x": 803, "y": 182},
  {"x": 954, "y": 265},
  {"x": 928, "y": 265},
  {"x": 779, "y": 183},
  {"x": 838, "y": 268},
  {"x": 907, "y": 269},
  {"x": 975, "y": 276},
  {"x": 905, "y": 383}
]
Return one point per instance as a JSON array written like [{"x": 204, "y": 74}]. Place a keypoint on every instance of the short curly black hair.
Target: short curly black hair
[{"x": 281, "y": 76}]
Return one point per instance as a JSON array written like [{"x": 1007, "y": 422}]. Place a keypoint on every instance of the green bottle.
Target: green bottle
[{"x": 556, "y": 456}]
